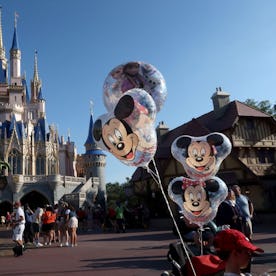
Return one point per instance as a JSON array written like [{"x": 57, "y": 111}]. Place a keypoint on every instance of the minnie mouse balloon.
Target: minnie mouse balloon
[
  {"x": 134, "y": 75},
  {"x": 198, "y": 200},
  {"x": 128, "y": 132},
  {"x": 201, "y": 156}
]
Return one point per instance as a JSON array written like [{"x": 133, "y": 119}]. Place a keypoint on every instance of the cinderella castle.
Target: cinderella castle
[{"x": 44, "y": 168}]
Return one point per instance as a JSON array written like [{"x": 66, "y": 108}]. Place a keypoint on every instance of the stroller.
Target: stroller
[
  {"x": 203, "y": 265},
  {"x": 198, "y": 262}
]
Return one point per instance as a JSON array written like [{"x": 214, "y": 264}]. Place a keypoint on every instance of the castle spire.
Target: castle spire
[
  {"x": 3, "y": 60},
  {"x": 36, "y": 78},
  {"x": 15, "y": 45},
  {"x": 2, "y": 49},
  {"x": 35, "y": 82},
  {"x": 15, "y": 57}
]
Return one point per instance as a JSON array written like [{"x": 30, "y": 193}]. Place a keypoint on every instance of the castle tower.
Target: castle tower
[
  {"x": 3, "y": 59},
  {"x": 94, "y": 162},
  {"x": 16, "y": 89}
]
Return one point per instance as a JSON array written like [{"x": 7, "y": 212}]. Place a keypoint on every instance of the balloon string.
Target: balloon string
[{"x": 157, "y": 179}]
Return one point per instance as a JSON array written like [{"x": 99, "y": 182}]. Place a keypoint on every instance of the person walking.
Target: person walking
[
  {"x": 228, "y": 212},
  {"x": 246, "y": 209},
  {"x": 8, "y": 220},
  {"x": 36, "y": 225},
  {"x": 28, "y": 234},
  {"x": 18, "y": 229},
  {"x": 48, "y": 224},
  {"x": 72, "y": 226},
  {"x": 120, "y": 220},
  {"x": 63, "y": 219}
]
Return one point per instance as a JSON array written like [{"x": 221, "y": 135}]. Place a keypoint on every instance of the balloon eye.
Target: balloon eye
[
  {"x": 118, "y": 134},
  {"x": 111, "y": 140},
  {"x": 203, "y": 152},
  {"x": 195, "y": 152},
  {"x": 191, "y": 196},
  {"x": 198, "y": 196}
]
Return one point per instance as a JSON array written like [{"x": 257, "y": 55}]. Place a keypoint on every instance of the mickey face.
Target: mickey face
[
  {"x": 200, "y": 157},
  {"x": 195, "y": 201},
  {"x": 118, "y": 140}
]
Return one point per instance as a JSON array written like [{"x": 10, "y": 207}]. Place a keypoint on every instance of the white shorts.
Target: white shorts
[
  {"x": 18, "y": 232},
  {"x": 73, "y": 222}
]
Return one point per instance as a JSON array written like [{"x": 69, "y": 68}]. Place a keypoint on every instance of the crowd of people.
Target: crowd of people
[
  {"x": 60, "y": 224},
  {"x": 43, "y": 226}
]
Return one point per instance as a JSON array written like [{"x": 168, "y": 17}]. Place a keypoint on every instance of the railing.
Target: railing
[{"x": 50, "y": 178}]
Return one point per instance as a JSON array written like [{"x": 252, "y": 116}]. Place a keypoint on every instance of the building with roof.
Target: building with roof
[
  {"x": 251, "y": 163},
  {"x": 42, "y": 164}
]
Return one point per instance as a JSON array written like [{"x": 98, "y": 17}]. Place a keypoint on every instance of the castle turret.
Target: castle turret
[{"x": 94, "y": 162}]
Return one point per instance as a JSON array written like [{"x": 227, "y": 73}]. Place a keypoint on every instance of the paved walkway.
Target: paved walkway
[{"x": 133, "y": 253}]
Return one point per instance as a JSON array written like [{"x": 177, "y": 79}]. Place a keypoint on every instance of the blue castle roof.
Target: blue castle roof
[
  {"x": 15, "y": 45},
  {"x": 90, "y": 141},
  {"x": 8, "y": 127},
  {"x": 26, "y": 89}
]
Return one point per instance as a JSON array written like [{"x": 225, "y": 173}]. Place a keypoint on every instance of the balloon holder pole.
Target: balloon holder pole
[
  {"x": 156, "y": 178},
  {"x": 200, "y": 238}
]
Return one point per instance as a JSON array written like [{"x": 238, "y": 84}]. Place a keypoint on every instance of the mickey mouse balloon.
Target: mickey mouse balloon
[
  {"x": 198, "y": 200},
  {"x": 134, "y": 75},
  {"x": 128, "y": 131},
  {"x": 201, "y": 156}
]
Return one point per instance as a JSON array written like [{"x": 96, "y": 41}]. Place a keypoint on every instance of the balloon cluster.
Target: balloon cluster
[
  {"x": 199, "y": 196},
  {"x": 132, "y": 93}
]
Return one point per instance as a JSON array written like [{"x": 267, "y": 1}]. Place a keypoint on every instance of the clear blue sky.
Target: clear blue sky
[{"x": 197, "y": 45}]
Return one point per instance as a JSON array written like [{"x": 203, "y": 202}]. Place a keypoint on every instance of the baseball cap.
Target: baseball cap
[{"x": 231, "y": 239}]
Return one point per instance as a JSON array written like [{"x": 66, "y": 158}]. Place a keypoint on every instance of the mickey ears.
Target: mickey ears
[
  {"x": 97, "y": 130},
  {"x": 177, "y": 187},
  {"x": 124, "y": 107},
  {"x": 183, "y": 142},
  {"x": 215, "y": 139}
]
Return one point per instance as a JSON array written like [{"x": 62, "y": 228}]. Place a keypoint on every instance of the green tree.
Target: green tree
[
  {"x": 117, "y": 192},
  {"x": 265, "y": 106}
]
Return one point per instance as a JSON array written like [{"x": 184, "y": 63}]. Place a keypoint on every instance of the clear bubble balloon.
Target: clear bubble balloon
[
  {"x": 131, "y": 75},
  {"x": 198, "y": 200},
  {"x": 128, "y": 131},
  {"x": 201, "y": 156}
]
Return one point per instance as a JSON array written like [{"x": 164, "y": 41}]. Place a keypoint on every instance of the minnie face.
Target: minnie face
[{"x": 195, "y": 201}]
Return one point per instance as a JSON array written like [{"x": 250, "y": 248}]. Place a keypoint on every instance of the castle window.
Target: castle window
[
  {"x": 40, "y": 165},
  {"x": 15, "y": 161},
  {"x": 52, "y": 165},
  {"x": 28, "y": 165}
]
